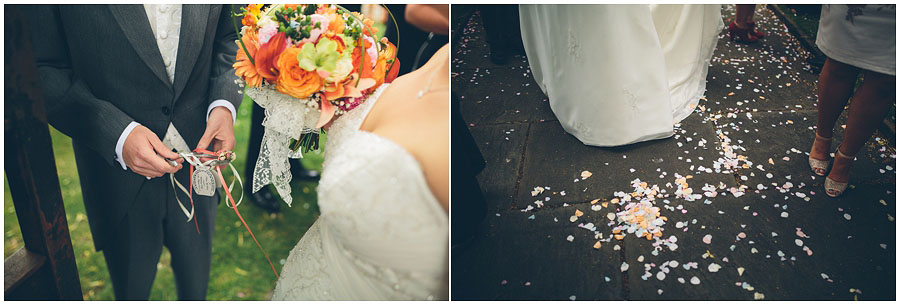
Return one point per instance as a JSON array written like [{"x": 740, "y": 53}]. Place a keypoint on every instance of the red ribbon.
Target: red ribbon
[
  {"x": 230, "y": 198},
  {"x": 234, "y": 206}
]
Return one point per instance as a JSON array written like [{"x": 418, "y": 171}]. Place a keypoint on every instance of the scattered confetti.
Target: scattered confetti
[{"x": 586, "y": 174}]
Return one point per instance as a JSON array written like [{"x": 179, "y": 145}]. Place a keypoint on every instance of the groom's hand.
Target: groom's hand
[
  {"x": 219, "y": 131},
  {"x": 142, "y": 151}
]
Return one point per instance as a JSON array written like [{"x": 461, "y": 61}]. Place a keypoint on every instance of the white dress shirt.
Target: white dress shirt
[{"x": 165, "y": 21}]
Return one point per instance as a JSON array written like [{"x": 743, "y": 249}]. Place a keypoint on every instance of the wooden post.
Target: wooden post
[{"x": 45, "y": 268}]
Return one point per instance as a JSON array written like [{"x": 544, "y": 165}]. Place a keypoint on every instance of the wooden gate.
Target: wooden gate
[{"x": 45, "y": 268}]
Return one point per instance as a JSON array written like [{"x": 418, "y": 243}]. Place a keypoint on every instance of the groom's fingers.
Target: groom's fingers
[
  {"x": 163, "y": 150},
  {"x": 205, "y": 139},
  {"x": 158, "y": 162},
  {"x": 141, "y": 167},
  {"x": 153, "y": 158},
  {"x": 162, "y": 166}
]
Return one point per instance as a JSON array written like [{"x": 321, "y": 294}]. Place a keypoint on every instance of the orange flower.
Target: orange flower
[
  {"x": 293, "y": 80},
  {"x": 291, "y": 6},
  {"x": 362, "y": 60},
  {"x": 252, "y": 11},
  {"x": 336, "y": 24},
  {"x": 393, "y": 72},
  {"x": 267, "y": 54},
  {"x": 347, "y": 88},
  {"x": 379, "y": 72},
  {"x": 243, "y": 68},
  {"x": 389, "y": 53},
  {"x": 326, "y": 9},
  {"x": 370, "y": 25}
]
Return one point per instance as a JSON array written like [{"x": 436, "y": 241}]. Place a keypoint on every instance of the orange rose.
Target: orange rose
[
  {"x": 243, "y": 68},
  {"x": 293, "y": 80}
]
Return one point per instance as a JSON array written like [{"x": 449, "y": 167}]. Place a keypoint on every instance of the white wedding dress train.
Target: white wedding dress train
[
  {"x": 620, "y": 74},
  {"x": 382, "y": 235}
]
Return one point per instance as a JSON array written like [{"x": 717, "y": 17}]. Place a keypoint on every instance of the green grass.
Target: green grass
[{"x": 239, "y": 270}]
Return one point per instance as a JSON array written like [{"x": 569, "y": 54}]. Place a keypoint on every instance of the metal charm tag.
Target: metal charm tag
[{"x": 204, "y": 181}]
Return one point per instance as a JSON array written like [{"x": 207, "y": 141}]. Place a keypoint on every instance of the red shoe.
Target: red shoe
[
  {"x": 740, "y": 35},
  {"x": 754, "y": 32}
]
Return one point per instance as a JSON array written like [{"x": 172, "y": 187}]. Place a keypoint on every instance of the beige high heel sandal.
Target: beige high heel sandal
[
  {"x": 834, "y": 188},
  {"x": 820, "y": 167}
]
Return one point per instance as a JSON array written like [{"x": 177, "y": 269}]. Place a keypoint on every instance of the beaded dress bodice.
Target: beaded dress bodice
[{"x": 382, "y": 235}]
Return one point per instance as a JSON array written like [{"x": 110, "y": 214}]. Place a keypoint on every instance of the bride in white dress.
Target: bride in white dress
[
  {"x": 383, "y": 233},
  {"x": 620, "y": 74}
]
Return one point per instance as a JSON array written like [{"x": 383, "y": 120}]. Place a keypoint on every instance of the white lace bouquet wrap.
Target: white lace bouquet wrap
[{"x": 286, "y": 119}]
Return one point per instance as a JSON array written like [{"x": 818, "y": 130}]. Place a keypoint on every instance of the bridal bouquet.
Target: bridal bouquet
[{"x": 305, "y": 64}]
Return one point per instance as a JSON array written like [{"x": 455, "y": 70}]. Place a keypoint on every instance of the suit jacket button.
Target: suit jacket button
[{"x": 166, "y": 110}]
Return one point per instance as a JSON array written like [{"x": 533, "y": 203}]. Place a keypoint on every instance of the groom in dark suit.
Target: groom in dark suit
[{"x": 118, "y": 79}]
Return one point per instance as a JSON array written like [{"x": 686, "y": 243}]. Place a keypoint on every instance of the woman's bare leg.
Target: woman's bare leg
[{"x": 871, "y": 101}]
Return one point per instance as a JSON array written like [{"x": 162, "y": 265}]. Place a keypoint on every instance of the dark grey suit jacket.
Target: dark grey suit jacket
[{"x": 100, "y": 69}]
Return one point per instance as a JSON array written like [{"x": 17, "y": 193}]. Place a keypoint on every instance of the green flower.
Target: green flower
[{"x": 322, "y": 57}]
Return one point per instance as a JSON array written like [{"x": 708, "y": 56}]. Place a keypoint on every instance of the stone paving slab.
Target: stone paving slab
[
  {"x": 556, "y": 159},
  {"x": 536, "y": 261},
  {"x": 501, "y": 147},
  {"x": 780, "y": 135},
  {"x": 496, "y": 93},
  {"x": 515, "y": 98},
  {"x": 764, "y": 76},
  {"x": 853, "y": 254}
]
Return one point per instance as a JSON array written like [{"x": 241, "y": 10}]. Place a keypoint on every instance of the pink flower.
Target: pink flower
[
  {"x": 266, "y": 32},
  {"x": 314, "y": 33},
  {"x": 372, "y": 51}
]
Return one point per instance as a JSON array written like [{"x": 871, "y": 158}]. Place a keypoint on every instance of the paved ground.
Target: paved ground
[{"x": 773, "y": 233}]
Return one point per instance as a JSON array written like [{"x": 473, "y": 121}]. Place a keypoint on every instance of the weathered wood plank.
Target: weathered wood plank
[
  {"x": 20, "y": 266},
  {"x": 30, "y": 166}
]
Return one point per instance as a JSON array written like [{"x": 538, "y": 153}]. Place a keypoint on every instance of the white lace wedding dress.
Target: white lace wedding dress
[
  {"x": 382, "y": 235},
  {"x": 620, "y": 74}
]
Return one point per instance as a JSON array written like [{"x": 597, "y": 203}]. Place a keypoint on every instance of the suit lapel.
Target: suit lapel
[
  {"x": 133, "y": 21},
  {"x": 194, "y": 18}
]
